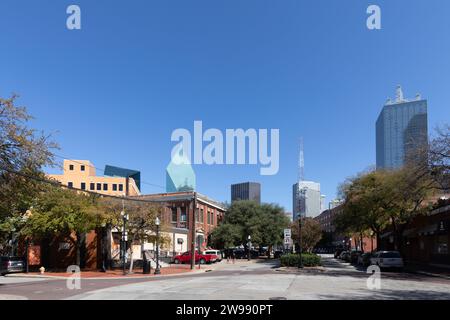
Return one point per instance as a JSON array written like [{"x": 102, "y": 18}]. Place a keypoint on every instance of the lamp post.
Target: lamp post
[
  {"x": 103, "y": 244},
  {"x": 249, "y": 244},
  {"x": 157, "y": 222},
  {"x": 27, "y": 215},
  {"x": 371, "y": 240},
  {"x": 350, "y": 244},
  {"x": 300, "y": 260},
  {"x": 124, "y": 240}
]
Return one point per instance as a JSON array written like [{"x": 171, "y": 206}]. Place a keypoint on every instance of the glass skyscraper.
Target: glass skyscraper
[
  {"x": 402, "y": 127},
  {"x": 246, "y": 191}
]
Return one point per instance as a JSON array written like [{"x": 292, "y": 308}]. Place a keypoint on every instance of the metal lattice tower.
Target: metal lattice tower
[{"x": 301, "y": 163}]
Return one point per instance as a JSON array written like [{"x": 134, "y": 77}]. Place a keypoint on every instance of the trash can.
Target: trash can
[
  {"x": 147, "y": 264},
  {"x": 147, "y": 267}
]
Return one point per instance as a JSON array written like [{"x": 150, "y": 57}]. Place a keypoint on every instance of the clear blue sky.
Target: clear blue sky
[{"x": 114, "y": 91}]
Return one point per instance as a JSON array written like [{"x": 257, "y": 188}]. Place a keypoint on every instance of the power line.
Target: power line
[
  {"x": 58, "y": 184},
  {"x": 103, "y": 170}
]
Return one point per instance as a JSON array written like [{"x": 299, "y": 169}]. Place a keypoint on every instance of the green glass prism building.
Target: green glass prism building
[
  {"x": 180, "y": 175},
  {"x": 401, "y": 128}
]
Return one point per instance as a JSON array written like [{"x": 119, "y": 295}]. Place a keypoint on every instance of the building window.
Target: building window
[
  {"x": 83, "y": 186},
  {"x": 92, "y": 186},
  {"x": 183, "y": 216},
  {"x": 120, "y": 187},
  {"x": 174, "y": 214},
  {"x": 70, "y": 184},
  {"x": 441, "y": 246},
  {"x": 99, "y": 186},
  {"x": 209, "y": 217},
  {"x": 114, "y": 186},
  {"x": 105, "y": 187},
  {"x": 82, "y": 167},
  {"x": 71, "y": 167},
  {"x": 201, "y": 215}
]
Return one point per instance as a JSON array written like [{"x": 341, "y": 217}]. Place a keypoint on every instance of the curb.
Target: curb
[
  {"x": 435, "y": 275},
  {"x": 18, "y": 275}
]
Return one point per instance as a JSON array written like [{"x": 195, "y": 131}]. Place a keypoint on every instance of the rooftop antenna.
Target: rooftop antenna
[
  {"x": 301, "y": 162},
  {"x": 399, "y": 95}
]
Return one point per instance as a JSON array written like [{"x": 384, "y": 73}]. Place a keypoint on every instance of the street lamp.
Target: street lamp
[
  {"x": 27, "y": 215},
  {"x": 157, "y": 222},
  {"x": 371, "y": 240},
  {"x": 249, "y": 244},
  {"x": 103, "y": 244},
  {"x": 124, "y": 240},
  {"x": 300, "y": 260},
  {"x": 350, "y": 244}
]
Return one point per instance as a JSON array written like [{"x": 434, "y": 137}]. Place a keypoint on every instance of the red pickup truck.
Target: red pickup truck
[{"x": 199, "y": 258}]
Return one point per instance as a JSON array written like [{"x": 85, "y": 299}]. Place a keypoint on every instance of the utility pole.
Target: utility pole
[{"x": 194, "y": 211}]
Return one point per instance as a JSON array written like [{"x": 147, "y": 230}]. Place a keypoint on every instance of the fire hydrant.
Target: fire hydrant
[{"x": 42, "y": 270}]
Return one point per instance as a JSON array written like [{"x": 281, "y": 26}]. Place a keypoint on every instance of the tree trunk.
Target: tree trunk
[{"x": 78, "y": 249}]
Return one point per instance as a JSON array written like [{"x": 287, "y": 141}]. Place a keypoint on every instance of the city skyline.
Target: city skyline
[{"x": 326, "y": 84}]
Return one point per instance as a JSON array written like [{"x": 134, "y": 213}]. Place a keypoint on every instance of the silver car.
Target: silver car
[
  {"x": 11, "y": 265},
  {"x": 387, "y": 259}
]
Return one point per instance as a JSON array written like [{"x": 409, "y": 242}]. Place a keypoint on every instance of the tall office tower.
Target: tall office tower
[
  {"x": 306, "y": 197},
  {"x": 246, "y": 191},
  {"x": 401, "y": 128}
]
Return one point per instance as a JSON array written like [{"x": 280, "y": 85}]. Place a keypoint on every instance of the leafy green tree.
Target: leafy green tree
[
  {"x": 62, "y": 212},
  {"x": 385, "y": 198},
  {"x": 23, "y": 153},
  {"x": 140, "y": 226},
  {"x": 226, "y": 236},
  {"x": 311, "y": 233},
  {"x": 264, "y": 223}
]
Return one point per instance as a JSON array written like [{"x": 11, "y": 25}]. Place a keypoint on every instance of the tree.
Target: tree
[
  {"x": 62, "y": 212},
  {"x": 311, "y": 233},
  {"x": 23, "y": 153},
  {"x": 385, "y": 198},
  {"x": 264, "y": 223},
  {"x": 366, "y": 199},
  {"x": 226, "y": 236},
  {"x": 141, "y": 226}
]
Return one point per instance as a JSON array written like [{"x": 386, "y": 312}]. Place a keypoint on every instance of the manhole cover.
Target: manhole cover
[{"x": 278, "y": 298}]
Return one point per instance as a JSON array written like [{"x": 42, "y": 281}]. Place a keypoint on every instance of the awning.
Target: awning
[
  {"x": 428, "y": 230},
  {"x": 410, "y": 232},
  {"x": 384, "y": 235}
]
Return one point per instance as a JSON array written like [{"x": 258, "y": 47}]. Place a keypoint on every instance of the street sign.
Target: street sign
[
  {"x": 287, "y": 237},
  {"x": 287, "y": 233}
]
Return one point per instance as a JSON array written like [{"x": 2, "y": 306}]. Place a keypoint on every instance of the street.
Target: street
[{"x": 258, "y": 279}]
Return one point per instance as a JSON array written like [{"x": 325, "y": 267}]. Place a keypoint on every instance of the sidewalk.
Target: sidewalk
[
  {"x": 116, "y": 273},
  {"x": 429, "y": 270}
]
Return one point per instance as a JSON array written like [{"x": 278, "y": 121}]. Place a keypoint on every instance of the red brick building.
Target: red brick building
[{"x": 60, "y": 252}]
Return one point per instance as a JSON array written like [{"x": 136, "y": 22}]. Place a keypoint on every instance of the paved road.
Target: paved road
[{"x": 243, "y": 280}]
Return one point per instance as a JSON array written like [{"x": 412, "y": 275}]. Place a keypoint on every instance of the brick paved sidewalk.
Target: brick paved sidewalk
[{"x": 116, "y": 273}]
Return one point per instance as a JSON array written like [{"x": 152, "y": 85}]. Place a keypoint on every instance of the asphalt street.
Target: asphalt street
[{"x": 258, "y": 279}]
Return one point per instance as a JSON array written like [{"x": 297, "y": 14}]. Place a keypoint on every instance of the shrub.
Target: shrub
[{"x": 308, "y": 259}]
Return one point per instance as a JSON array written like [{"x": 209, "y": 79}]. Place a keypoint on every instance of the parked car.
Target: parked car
[
  {"x": 345, "y": 255},
  {"x": 277, "y": 254},
  {"x": 354, "y": 256},
  {"x": 364, "y": 259},
  {"x": 11, "y": 265},
  {"x": 216, "y": 255},
  {"x": 199, "y": 258},
  {"x": 338, "y": 252},
  {"x": 387, "y": 259}
]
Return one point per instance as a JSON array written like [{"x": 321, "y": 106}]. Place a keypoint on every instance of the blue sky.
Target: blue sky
[{"x": 114, "y": 91}]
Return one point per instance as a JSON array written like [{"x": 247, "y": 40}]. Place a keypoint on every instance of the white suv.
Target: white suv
[
  {"x": 217, "y": 253},
  {"x": 387, "y": 259}
]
